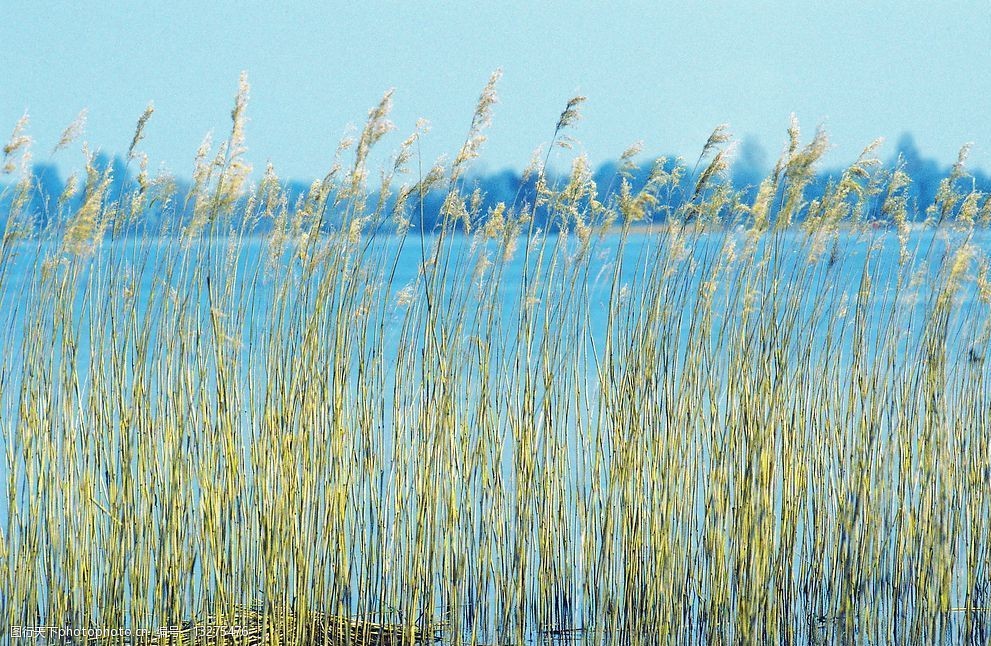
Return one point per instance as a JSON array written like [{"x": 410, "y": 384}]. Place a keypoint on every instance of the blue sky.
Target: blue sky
[{"x": 662, "y": 72}]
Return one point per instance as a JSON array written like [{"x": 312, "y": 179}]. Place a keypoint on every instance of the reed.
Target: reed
[{"x": 678, "y": 415}]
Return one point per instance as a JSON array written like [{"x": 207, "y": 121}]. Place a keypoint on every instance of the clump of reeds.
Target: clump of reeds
[{"x": 661, "y": 410}]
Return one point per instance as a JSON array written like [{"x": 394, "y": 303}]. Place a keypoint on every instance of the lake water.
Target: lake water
[{"x": 498, "y": 480}]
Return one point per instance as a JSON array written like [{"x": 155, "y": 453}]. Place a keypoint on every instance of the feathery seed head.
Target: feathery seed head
[
  {"x": 139, "y": 131},
  {"x": 536, "y": 165},
  {"x": 571, "y": 113},
  {"x": 72, "y": 131},
  {"x": 19, "y": 141},
  {"x": 69, "y": 191},
  {"x": 719, "y": 136},
  {"x": 984, "y": 282},
  {"x": 495, "y": 223},
  {"x": 479, "y": 122},
  {"x": 404, "y": 297}
]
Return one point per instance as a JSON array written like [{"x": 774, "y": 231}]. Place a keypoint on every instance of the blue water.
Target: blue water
[{"x": 837, "y": 274}]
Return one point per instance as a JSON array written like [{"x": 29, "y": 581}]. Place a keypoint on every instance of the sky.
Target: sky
[{"x": 664, "y": 73}]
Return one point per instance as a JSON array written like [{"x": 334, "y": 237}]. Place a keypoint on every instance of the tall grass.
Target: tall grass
[{"x": 679, "y": 415}]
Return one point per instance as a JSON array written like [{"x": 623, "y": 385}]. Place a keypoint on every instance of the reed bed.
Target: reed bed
[{"x": 680, "y": 414}]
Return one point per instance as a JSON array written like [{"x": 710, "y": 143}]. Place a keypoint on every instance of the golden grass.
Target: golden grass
[{"x": 681, "y": 416}]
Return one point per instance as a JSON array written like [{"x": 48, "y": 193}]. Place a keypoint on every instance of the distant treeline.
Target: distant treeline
[{"x": 507, "y": 186}]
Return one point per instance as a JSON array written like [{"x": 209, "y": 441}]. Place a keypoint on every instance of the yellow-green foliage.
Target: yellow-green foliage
[{"x": 679, "y": 417}]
